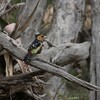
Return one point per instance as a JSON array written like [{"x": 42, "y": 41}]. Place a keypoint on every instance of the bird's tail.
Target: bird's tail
[{"x": 27, "y": 57}]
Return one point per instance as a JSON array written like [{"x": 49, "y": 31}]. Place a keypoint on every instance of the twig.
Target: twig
[
  {"x": 13, "y": 7},
  {"x": 33, "y": 94},
  {"x": 49, "y": 43},
  {"x": 88, "y": 34},
  {"x": 58, "y": 90}
]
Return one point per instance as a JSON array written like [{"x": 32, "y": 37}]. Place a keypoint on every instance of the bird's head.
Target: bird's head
[{"x": 40, "y": 37}]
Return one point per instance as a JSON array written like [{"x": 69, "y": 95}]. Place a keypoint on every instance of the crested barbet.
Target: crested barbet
[{"x": 35, "y": 47}]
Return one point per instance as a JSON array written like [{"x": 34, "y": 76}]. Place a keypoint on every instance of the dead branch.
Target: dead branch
[
  {"x": 18, "y": 83},
  {"x": 10, "y": 45},
  {"x": 72, "y": 53},
  {"x": 13, "y": 7},
  {"x": 3, "y": 5},
  {"x": 20, "y": 78}
]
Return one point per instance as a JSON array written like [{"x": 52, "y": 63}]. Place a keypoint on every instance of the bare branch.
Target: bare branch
[
  {"x": 72, "y": 53},
  {"x": 12, "y": 8},
  {"x": 20, "y": 78},
  {"x": 10, "y": 45}
]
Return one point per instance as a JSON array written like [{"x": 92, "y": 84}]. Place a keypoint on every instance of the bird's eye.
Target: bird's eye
[{"x": 39, "y": 37}]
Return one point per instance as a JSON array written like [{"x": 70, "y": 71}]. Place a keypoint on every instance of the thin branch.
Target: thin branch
[
  {"x": 54, "y": 98},
  {"x": 11, "y": 45},
  {"x": 13, "y": 7}
]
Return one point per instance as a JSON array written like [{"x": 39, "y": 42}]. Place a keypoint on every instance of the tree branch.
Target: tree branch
[
  {"x": 23, "y": 76},
  {"x": 10, "y": 45},
  {"x": 72, "y": 53},
  {"x": 13, "y": 7}
]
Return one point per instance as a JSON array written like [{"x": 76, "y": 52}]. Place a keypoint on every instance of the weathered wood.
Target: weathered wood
[
  {"x": 13, "y": 45},
  {"x": 66, "y": 53},
  {"x": 72, "y": 53},
  {"x": 13, "y": 7},
  {"x": 10, "y": 45},
  {"x": 95, "y": 56},
  {"x": 3, "y": 5},
  {"x": 18, "y": 79},
  {"x": 56, "y": 70},
  {"x": 67, "y": 22},
  {"x": 92, "y": 72}
]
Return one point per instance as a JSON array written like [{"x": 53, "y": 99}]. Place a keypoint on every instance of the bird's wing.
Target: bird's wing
[{"x": 36, "y": 50}]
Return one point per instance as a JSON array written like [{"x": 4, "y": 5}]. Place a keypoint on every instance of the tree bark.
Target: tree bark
[
  {"x": 67, "y": 23},
  {"x": 95, "y": 57},
  {"x": 71, "y": 53},
  {"x": 3, "y": 5}
]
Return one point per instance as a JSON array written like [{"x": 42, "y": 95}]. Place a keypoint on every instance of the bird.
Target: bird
[{"x": 35, "y": 47}]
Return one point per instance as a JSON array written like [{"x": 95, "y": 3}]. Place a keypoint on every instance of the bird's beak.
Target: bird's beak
[{"x": 45, "y": 37}]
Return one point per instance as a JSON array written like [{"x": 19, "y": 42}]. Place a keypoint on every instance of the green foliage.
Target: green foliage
[
  {"x": 50, "y": 1},
  {"x": 77, "y": 92},
  {"x": 3, "y": 23},
  {"x": 74, "y": 91},
  {"x": 15, "y": 1}
]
